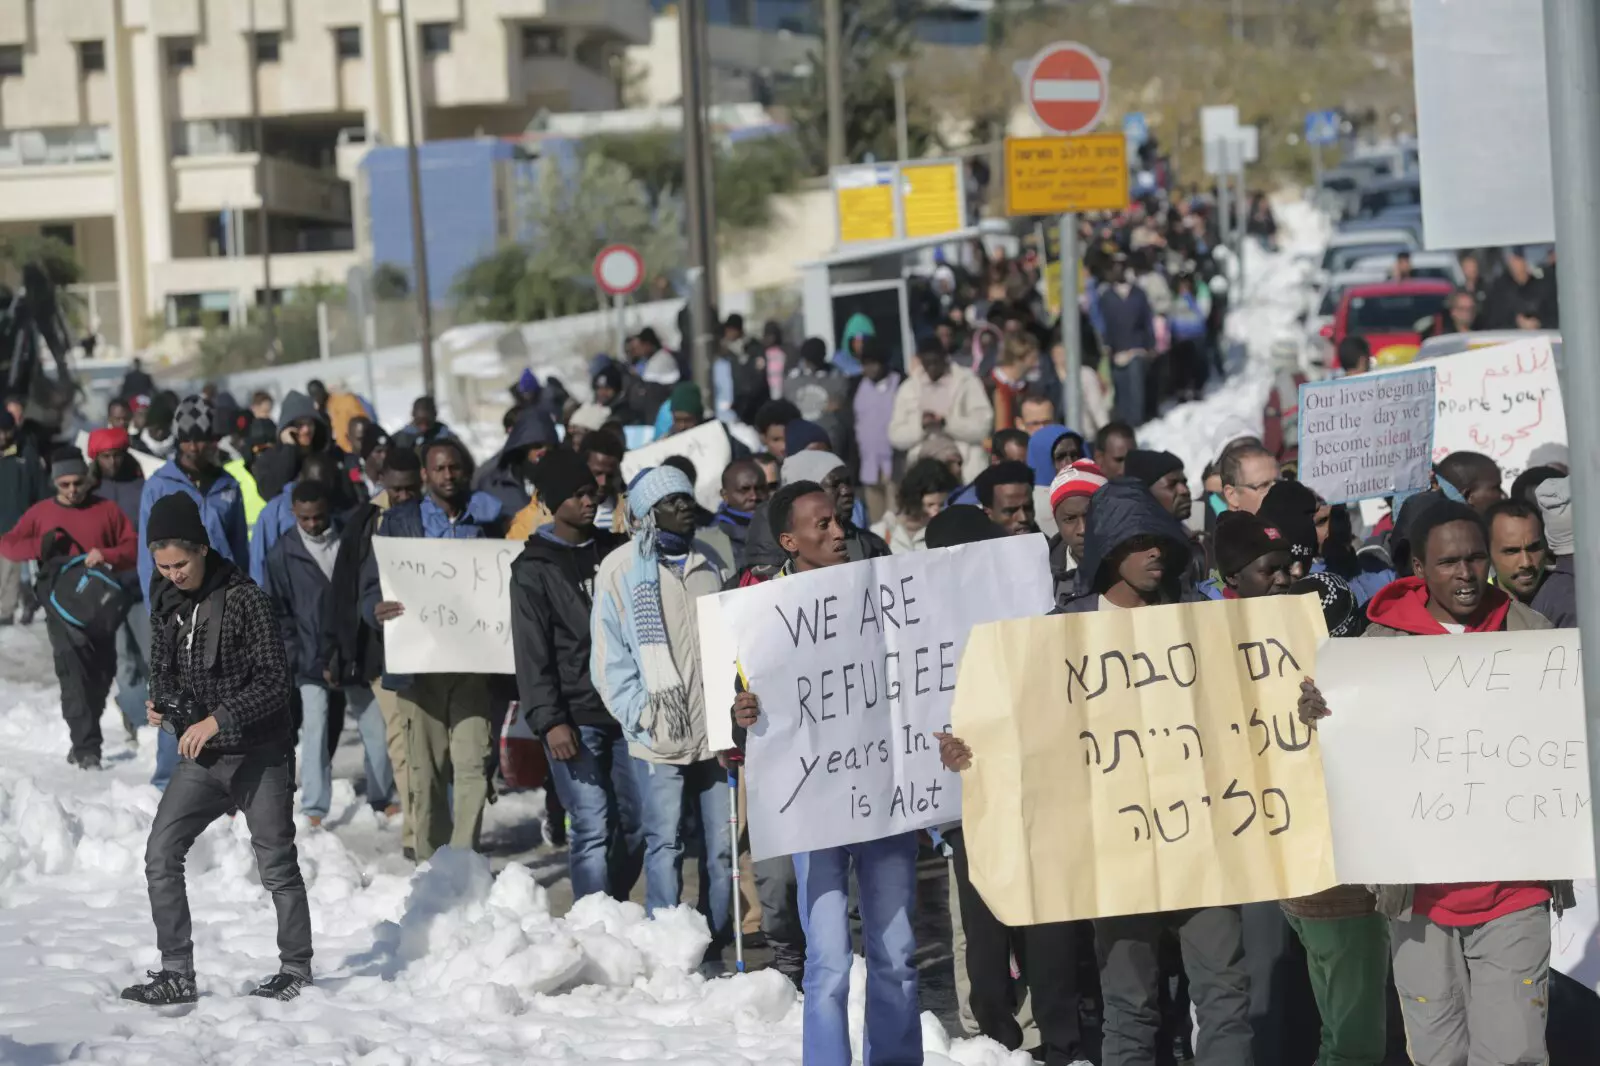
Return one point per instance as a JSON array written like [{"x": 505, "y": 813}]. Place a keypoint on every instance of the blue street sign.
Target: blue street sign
[
  {"x": 1135, "y": 128},
  {"x": 1322, "y": 127}
]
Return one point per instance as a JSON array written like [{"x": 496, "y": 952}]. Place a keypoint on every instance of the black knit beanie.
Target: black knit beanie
[
  {"x": 961, "y": 524},
  {"x": 558, "y": 477},
  {"x": 176, "y": 517},
  {"x": 1241, "y": 539}
]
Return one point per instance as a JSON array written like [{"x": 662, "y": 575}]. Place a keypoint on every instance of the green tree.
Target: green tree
[{"x": 874, "y": 34}]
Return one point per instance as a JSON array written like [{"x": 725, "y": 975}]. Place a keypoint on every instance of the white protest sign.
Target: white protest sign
[
  {"x": 1370, "y": 435},
  {"x": 148, "y": 464},
  {"x": 855, "y": 666},
  {"x": 719, "y": 668},
  {"x": 457, "y": 595},
  {"x": 1457, "y": 758},
  {"x": 1503, "y": 401},
  {"x": 705, "y": 446}
]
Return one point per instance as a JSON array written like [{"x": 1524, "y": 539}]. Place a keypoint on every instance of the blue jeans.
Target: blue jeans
[
  {"x": 167, "y": 759},
  {"x": 133, "y": 674},
  {"x": 886, "y": 871},
  {"x": 598, "y": 789},
  {"x": 668, "y": 794},
  {"x": 1127, "y": 391},
  {"x": 316, "y": 770}
]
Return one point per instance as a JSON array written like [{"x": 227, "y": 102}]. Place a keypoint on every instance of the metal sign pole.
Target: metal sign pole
[
  {"x": 1572, "y": 73},
  {"x": 1316, "y": 164},
  {"x": 1224, "y": 191},
  {"x": 1071, "y": 398}
]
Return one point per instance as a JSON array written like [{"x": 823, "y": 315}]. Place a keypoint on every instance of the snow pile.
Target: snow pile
[{"x": 1274, "y": 295}]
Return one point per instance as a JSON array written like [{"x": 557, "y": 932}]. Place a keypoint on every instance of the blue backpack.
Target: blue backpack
[{"x": 82, "y": 597}]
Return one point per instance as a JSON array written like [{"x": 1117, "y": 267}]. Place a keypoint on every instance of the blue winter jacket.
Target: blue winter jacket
[{"x": 221, "y": 509}]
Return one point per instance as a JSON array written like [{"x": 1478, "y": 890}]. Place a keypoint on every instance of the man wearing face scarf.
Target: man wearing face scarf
[{"x": 645, "y": 664}]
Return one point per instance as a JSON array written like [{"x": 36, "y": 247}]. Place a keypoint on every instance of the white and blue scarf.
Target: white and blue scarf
[{"x": 667, "y": 718}]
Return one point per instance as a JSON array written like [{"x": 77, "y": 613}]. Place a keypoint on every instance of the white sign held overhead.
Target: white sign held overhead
[
  {"x": 706, "y": 446},
  {"x": 1484, "y": 155},
  {"x": 1503, "y": 402},
  {"x": 457, "y": 599},
  {"x": 1457, "y": 758},
  {"x": 855, "y": 667},
  {"x": 1366, "y": 436}
]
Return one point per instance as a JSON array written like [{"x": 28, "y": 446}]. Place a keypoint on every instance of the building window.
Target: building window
[
  {"x": 347, "y": 42},
  {"x": 11, "y": 61},
  {"x": 180, "y": 53},
  {"x": 267, "y": 45},
  {"x": 61, "y": 231},
  {"x": 538, "y": 42},
  {"x": 92, "y": 57},
  {"x": 435, "y": 38}
]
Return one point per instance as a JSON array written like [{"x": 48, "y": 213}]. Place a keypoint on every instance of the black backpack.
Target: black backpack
[{"x": 83, "y": 598}]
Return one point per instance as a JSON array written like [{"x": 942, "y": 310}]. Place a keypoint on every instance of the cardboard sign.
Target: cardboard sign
[
  {"x": 457, "y": 595},
  {"x": 855, "y": 666},
  {"x": 1144, "y": 760},
  {"x": 1503, "y": 401},
  {"x": 1457, "y": 758},
  {"x": 1365, "y": 436}
]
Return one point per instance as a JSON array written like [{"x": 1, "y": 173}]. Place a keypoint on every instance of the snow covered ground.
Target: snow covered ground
[{"x": 446, "y": 963}]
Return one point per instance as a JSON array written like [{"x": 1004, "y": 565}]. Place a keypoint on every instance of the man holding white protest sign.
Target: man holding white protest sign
[{"x": 1471, "y": 958}]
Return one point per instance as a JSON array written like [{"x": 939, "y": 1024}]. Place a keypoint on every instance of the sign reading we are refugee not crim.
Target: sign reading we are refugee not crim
[{"x": 855, "y": 667}]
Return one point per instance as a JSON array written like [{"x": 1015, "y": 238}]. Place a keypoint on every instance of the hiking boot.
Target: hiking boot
[
  {"x": 790, "y": 961},
  {"x": 281, "y": 986},
  {"x": 164, "y": 989}
]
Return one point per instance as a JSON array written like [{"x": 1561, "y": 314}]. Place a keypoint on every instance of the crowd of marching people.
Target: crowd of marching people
[{"x": 212, "y": 564}]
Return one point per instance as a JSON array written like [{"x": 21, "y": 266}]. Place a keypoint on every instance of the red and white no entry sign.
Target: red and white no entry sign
[
  {"x": 1066, "y": 87},
  {"x": 618, "y": 269}
]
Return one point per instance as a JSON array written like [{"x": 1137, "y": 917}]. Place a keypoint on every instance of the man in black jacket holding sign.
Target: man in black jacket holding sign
[{"x": 552, "y": 598}]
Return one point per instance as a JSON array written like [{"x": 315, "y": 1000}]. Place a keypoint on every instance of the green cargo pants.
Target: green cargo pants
[
  {"x": 447, "y": 747},
  {"x": 1348, "y": 959}
]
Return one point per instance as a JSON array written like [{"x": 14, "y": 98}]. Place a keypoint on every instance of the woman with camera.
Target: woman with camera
[{"x": 220, "y": 683}]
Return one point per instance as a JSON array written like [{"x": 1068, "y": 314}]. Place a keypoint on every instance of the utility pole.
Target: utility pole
[
  {"x": 269, "y": 317},
  {"x": 1572, "y": 75},
  {"x": 419, "y": 238},
  {"x": 902, "y": 138},
  {"x": 697, "y": 202},
  {"x": 833, "y": 77},
  {"x": 708, "y": 195}
]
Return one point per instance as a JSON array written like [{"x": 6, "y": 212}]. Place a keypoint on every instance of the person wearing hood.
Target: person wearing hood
[
  {"x": 1070, "y": 493},
  {"x": 508, "y": 477},
  {"x": 613, "y": 388},
  {"x": 939, "y": 397},
  {"x": 810, "y": 535},
  {"x": 1471, "y": 960},
  {"x": 302, "y": 431},
  {"x": 1557, "y": 598},
  {"x": 218, "y": 671},
  {"x": 259, "y": 438},
  {"x": 1135, "y": 555},
  {"x": 822, "y": 394},
  {"x": 277, "y": 518},
  {"x": 1050, "y": 450},
  {"x": 859, "y": 333},
  {"x": 70, "y": 523},
  {"x": 645, "y": 664},
  {"x": 830, "y": 471},
  {"x": 552, "y": 607},
  {"x": 298, "y": 578}
]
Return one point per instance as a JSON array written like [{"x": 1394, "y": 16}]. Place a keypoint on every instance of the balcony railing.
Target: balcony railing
[{"x": 52, "y": 147}]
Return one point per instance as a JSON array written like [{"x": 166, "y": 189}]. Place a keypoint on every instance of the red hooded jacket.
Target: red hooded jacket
[{"x": 1403, "y": 605}]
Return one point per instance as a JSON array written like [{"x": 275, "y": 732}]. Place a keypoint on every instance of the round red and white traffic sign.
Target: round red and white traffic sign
[
  {"x": 618, "y": 269},
  {"x": 1066, "y": 87}
]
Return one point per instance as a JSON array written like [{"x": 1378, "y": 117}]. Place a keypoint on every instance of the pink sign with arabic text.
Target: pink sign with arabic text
[{"x": 1504, "y": 402}]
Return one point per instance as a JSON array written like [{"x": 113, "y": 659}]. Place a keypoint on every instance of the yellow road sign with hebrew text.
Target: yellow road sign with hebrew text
[{"x": 1055, "y": 175}]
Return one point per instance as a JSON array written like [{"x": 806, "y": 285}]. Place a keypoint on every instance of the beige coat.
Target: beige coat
[{"x": 968, "y": 422}]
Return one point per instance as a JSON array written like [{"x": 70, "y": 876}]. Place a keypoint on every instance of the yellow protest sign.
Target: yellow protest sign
[
  {"x": 1126, "y": 762},
  {"x": 1055, "y": 175}
]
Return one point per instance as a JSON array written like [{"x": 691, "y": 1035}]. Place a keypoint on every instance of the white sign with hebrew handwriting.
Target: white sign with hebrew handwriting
[
  {"x": 855, "y": 666},
  {"x": 1457, "y": 758},
  {"x": 457, "y": 595}
]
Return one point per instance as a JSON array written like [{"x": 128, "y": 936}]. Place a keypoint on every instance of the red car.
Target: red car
[{"x": 1391, "y": 315}]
